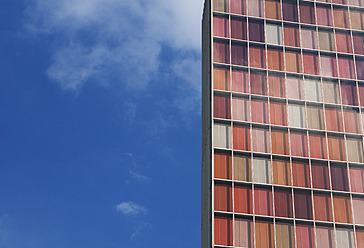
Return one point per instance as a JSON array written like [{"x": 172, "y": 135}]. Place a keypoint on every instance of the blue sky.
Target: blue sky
[{"x": 100, "y": 123}]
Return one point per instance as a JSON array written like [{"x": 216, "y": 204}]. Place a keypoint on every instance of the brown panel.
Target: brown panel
[
  {"x": 242, "y": 168},
  {"x": 243, "y": 201},
  {"x": 281, "y": 172},
  {"x": 264, "y": 234},
  {"x": 221, "y": 79},
  {"x": 223, "y": 197},
  {"x": 323, "y": 209},
  {"x": 342, "y": 209},
  {"x": 222, "y": 166}
]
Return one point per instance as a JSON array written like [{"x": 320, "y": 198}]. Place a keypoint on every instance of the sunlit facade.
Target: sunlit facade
[{"x": 283, "y": 124}]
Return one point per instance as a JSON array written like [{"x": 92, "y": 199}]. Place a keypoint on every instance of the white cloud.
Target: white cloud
[
  {"x": 130, "y": 209},
  {"x": 103, "y": 41},
  {"x": 138, "y": 176}
]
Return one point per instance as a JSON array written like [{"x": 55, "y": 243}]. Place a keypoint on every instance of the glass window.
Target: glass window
[
  {"x": 240, "y": 81},
  {"x": 291, "y": 36},
  {"x": 283, "y": 203},
  {"x": 238, "y": 7},
  {"x": 296, "y": 115},
  {"x": 293, "y": 61},
  {"x": 280, "y": 142},
  {"x": 325, "y": 237},
  {"x": 221, "y": 51},
  {"x": 318, "y": 146},
  {"x": 241, "y": 109},
  {"x": 344, "y": 237},
  {"x": 290, "y": 12},
  {"x": 257, "y": 56},
  {"x": 255, "y": 8},
  {"x": 262, "y": 170},
  {"x": 259, "y": 111},
  {"x": 320, "y": 175},
  {"x": 361, "y": 94},
  {"x": 303, "y": 204},
  {"x": 354, "y": 150},
  {"x": 305, "y": 236},
  {"x": 239, "y": 55},
  {"x": 359, "y": 68},
  {"x": 273, "y": 9},
  {"x": 278, "y": 113},
  {"x": 346, "y": 67},
  {"x": 223, "y": 234},
  {"x": 221, "y": 5},
  {"x": 331, "y": 91},
  {"x": 336, "y": 148},
  {"x": 263, "y": 201},
  {"x": 243, "y": 199},
  {"x": 223, "y": 197},
  {"x": 256, "y": 31},
  {"x": 342, "y": 209},
  {"x": 357, "y": 179},
  {"x": 351, "y": 120},
  {"x": 221, "y": 26},
  {"x": 339, "y": 177},
  {"x": 222, "y": 135},
  {"x": 334, "y": 120},
  {"x": 323, "y": 210},
  {"x": 264, "y": 234},
  {"x": 258, "y": 83},
  {"x": 309, "y": 38},
  {"x": 241, "y": 138},
  {"x": 299, "y": 144},
  {"x": 242, "y": 168},
  {"x": 310, "y": 63},
  {"x": 301, "y": 174},
  {"x": 238, "y": 28},
  {"x": 261, "y": 140},
  {"x": 358, "y": 40},
  {"x": 274, "y": 33},
  {"x": 357, "y": 19},
  {"x": 244, "y": 232},
  {"x": 356, "y": 3},
  {"x": 315, "y": 117},
  {"x": 343, "y": 42},
  {"x": 313, "y": 90},
  {"x": 275, "y": 59},
  {"x": 221, "y": 106},
  {"x": 341, "y": 17},
  {"x": 307, "y": 13},
  {"x": 328, "y": 66},
  {"x": 221, "y": 79},
  {"x": 222, "y": 165},
  {"x": 277, "y": 85},
  {"x": 326, "y": 40},
  {"x": 295, "y": 88},
  {"x": 324, "y": 16},
  {"x": 284, "y": 235},
  {"x": 281, "y": 172},
  {"x": 358, "y": 206},
  {"x": 349, "y": 94}
]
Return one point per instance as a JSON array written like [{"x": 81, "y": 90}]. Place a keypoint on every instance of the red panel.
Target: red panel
[
  {"x": 222, "y": 166},
  {"x": 222, "y": 108},
  {"x": 318, "y": 146},
  {"x": 305, "y": 236},
  {"x": 223, "y": 231},
  {"x": 263, "y": 201},
  {"x": 223, "y": 197},
  {"x": 241, "y": 137},
  {"x": 243, "y": 199}
]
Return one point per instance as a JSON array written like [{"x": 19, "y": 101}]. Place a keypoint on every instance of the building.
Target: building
[{"x": 283, "y": 124}]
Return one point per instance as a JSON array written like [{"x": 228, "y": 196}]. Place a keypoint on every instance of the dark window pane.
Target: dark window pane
[
  {"x": 283, "y": 203},
  {"x": 290, "y": 11},
  {"x": 239, "y": 54},
  {"x": 339, "y": 177}
]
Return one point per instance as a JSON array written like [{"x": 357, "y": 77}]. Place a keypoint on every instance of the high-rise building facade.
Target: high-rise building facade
[{"x": 283, "y": 124}]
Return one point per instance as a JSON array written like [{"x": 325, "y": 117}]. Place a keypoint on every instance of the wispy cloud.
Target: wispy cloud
[
  {"x": 131, "y": 208},
  {"x": 103, "y": 41},
  {"x": 138, "y": 176}
]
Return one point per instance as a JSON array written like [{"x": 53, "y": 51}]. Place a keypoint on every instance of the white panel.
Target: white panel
[
  {"x": 222, "y": 136},
  {"x": 261, "y": 170},
  {"x": 296, "y": 115}
]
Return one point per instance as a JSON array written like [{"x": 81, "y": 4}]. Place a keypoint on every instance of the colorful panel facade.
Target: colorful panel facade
[{"x": 284, "y": 108}]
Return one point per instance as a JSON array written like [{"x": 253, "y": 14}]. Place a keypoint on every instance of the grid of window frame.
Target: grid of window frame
[{"x": 295, "y": 83}]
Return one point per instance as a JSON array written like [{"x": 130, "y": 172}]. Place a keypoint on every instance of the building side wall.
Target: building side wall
[{"x": 206, "y": 198}]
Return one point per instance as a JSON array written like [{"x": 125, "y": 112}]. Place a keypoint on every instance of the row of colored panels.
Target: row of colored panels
[
  {"x": 243, "y": 232},
  {"x": 299, "y": 204},
  {"x": 306, "y": 37},
  {"x": 304, "y": 12},
  {"x": 289, "y": 60},
  {"x": 277, "y": 85},
  {"x": 292, "y": 114},
  {"x": 297, "y": 173},
  {"x": 295, "y": 143}
]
